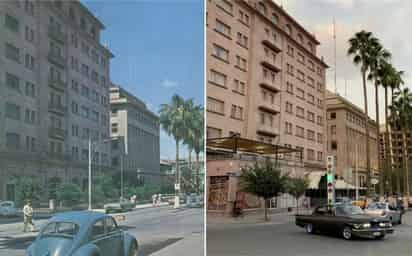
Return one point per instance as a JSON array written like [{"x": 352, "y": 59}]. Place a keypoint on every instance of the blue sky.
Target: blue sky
[{"x": 158, "y": 48}]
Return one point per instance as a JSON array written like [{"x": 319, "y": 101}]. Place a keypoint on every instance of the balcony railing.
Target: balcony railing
[
  {"x": 57, "y": 84},
  {"x": 57, "y": 108},
  {"x": 56, "y": 34},
  {"x": 268, "y": 106},
  {"x": 57, "y": 59},
  {"x": 57, "y": 133}
]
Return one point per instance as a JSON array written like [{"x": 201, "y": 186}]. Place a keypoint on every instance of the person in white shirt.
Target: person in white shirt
[{"x": 28, "y": 217}]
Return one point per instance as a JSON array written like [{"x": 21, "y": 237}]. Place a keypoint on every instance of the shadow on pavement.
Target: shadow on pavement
[{"x": 153, "y": 247}]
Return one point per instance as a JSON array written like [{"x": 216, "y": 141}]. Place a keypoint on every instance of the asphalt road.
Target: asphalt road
[
  {"x": 154, "y": 228},
  {"x": 284, "y": 238}
]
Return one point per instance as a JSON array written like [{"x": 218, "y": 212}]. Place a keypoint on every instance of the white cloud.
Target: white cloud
[{"x": 169, "y": 83}]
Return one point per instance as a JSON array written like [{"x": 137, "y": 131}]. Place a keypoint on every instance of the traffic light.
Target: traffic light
[{"x": 330, "y": 179}]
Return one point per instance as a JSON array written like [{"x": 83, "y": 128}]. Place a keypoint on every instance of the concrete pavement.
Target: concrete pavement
[{"x": 156, "y": 229}]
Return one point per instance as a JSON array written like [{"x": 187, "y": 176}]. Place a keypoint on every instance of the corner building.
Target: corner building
[
  {"x": 54, "y": 83},
  {"x": 264, "y": 82}
]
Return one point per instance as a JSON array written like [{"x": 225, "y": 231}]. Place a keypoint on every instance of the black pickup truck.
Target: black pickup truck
[{"x": 346, "y": 220}]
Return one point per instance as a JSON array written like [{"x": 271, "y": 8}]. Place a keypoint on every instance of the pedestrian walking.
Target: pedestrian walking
[
  {"x": 28, "y": 217},
  {"x": 154, "y": 198},
  {"x": 159, "y": 198}
]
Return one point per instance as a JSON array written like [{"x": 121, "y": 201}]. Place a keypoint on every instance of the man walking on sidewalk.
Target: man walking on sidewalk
[{"x": 28, "y": 216}]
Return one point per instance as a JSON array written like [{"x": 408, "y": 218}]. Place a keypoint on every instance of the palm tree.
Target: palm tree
[
  {"x": 387, "y": 73},
  {"x": 378, "y": 57},
  {"x": 402, "y": 113},
  {"x": 361, "y": 47},
  {"x": 395, "y": 82},
  {"x": 173, "y": 121}
]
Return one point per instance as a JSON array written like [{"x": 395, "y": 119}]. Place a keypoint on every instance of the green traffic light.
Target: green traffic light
[{"x": 329, "y": 177}]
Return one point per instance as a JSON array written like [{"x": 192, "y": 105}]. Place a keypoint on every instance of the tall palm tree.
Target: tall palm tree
[
  {"x": 402, "y": 108},
  {"x": 198, "y": 142},
  {"x": 387, "y": 75},
  {"x": 173, "y": 121},
  {"x": 396, "y": 82},
  {"x": 378, "y": 56},
  {"x": 360, "y": 47}
]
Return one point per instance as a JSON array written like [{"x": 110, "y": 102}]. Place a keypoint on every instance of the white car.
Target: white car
[
  {"x": 384, "y": 210},
  {"x": 7, "y": 208}
]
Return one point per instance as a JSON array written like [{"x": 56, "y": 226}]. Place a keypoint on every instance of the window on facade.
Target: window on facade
[
  {"x": 12, "y": 52},
  {"x": 241, "y": 63},
  {"x": 334, "y": 145},
  {"x": 12, "y": 111},
  {"x": 311, "y": 82},
  {"x": 311, "y": 66},
  {"x": 300, "y": 131},
  {"x": 13, "y": 82},
  {"x": 289, "y": 107},
  {"x": 30, "y": 89},
  {"x": 243, "y": 17},
  {"x": 85, "y": 112},
  {"x": 289, "y": 87},
  {"x": 236, "y": 112},
  {"x": 311, "y": 154},
  {"x": 13, "y": 141},
  {"x": 289, "y": 69},
  {"x": 275, "y": 18},
  {"x": 333, "y": 129},
  {"x": 220, "y": 53},
  {"x": 222, "y": 28},
  {"x": 239, "y": 86},
  {"x": 320, "y": 138},
  {"x": 29, "y": 61},
  {"x": 289, "y": 29},
  {"x": 300, "y": 112},
  {"x": 301, "y": 76},
  {"x": 288, "y": 128},
  {"x": 225, "y": 5},
  {"x": 333, "y": 115},
  {"x": 12, "y": 23},
  {"x": 291, "y": 51},
  {"x": 213, "y": 133},
  {"x": 242, "y": 39},
  {"x": 262, "y": 8},
  {"x": 320, "y": 156},
  {"x": 311, "y": 135},
  {"x": 29, "y": 34},
  {"x": 320, "y": 87},
  {"x": 311, "y": 116},
  {"x": 311, "y": 99},
  {"x": 217, "y": 78},
  {"x": 319, "y": 120},
  {"x": 300, "y": 93},
  {"x": 300, "y": 38},
  {"x": 215, "y": 105}
]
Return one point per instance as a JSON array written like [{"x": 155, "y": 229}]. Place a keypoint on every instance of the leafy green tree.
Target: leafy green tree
[
  {"x": 69, "y": 194},
  {"x": 27, "y": 188},
  {"x": 297, "y": 187},
  {"x": 263, "y": 180},
  {"x": 361, "y": 47}
]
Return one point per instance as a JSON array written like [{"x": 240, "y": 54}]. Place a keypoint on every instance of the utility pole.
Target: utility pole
[
  {"x": 121, "y": 176},
  {"x": 357, "y": 174},
  {"x": 334, "y": 50},
  {"x": 90, "y": 174}
]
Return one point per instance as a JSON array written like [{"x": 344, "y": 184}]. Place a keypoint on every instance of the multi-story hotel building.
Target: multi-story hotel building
[
  {"x": 264, "y": 82},
  {"x": 264, "y": 79},
  {"x": 346, "y": 139},
  {"x": 138, "y": 129},
  {"x": 54, "y": 83}
]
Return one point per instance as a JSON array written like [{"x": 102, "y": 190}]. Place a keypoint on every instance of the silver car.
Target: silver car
[
  {"x": 384, "y": 210},
  {"x": 7, "y": 209},
  {"x": 83, "y": 234}
]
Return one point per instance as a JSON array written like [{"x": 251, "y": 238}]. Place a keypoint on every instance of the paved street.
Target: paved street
[
  {"x": 282, "y": 237},
  {"x": 155, "y": 228}
]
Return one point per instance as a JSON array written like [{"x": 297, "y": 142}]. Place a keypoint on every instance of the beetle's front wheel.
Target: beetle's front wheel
[{"x": 133, "y": 249}]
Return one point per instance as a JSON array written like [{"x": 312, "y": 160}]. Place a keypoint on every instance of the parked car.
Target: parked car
[
  {"x": 345, "y": 220},
  {"x": 8, "y": 209},
  {"x": 83, "y": 234},
  {"x": 194, "y": 200},
  {"x": 122, "y": 206},
  {"x": 385, "y": 210}
]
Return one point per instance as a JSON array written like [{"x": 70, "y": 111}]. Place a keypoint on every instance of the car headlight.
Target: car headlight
[
  {"x": 383, "y": 224},
  {"x": 366, "y": 225}
]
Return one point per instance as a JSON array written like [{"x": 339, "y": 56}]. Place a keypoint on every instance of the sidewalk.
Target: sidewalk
[
  {"x": 256, "y": 217},
  {"x": 192, "y": 245}
]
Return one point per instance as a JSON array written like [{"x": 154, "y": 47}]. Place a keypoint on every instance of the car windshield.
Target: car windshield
[
  {"x": 65, "y": 229},
  {"x": 376, "y": 206},
  {"x": 348, "y": 210}
]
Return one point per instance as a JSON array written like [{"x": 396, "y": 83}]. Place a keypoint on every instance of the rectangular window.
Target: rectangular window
[
  {"x": 300, "y": 93},
  {"x": 311, "y": 116},
  {"x": 288, "y": 128},
  {"x": 12, "y": 23},
  {"x": 300, "y": 112},
  {"x": 12, "y": 52},
  {"x": 85, "y": 70},
  {"x": 213, "y": 133},
  {"x": 30, "y": 90},
  {"x": 290, "y": 69},
  {"x": 300, "y": 132},
  {"x": 236, "y": 112},
  {"x": 241, "y": 63},
  {"x": 225, "y": 5},
  {"x": 239, "y": 86},
  {"x": 85, "y": 112},
  {"x": 311, "y": 135},
  {"x": 243, "y": 18},
  {"x": 29, "y": 61},
  {"x": 13, "y": 141},
  {"x": 289, "y": 107},
  {"x": 242, "y": 40},
  {"x": 290, "y": 51},
  {"x": 311, "y": 82},
  {"x": 29, "y": 34},
  {"x": 75, "y": 108},
  {"x": 13, "y": 82},
  {"x": 95, "y": 116},
  {"x": 12, "y": 111},
  {"x": 85, "y": 91},
  {"x": 320, "y": 138},
  {"x": 215, "y": 105},
  {"x": 311, "y": 99},
  {"x": 220, "y": 53},
  {"x": 217, "y": 78},
  {"x": 289, "y": 87},
  {"x": 311, "y": 154},
  {"x": 301, "y": 76},
  {"x": 320, "y": 156},
  {"x": 301, "y": 58},
  {"x": 319, "y": 120},
  {"x": 333, "y": 129},
  {"x": 222, "y": 28}
]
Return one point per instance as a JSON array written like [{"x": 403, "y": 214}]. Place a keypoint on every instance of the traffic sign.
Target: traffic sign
[{"x": 330, "y": 178}]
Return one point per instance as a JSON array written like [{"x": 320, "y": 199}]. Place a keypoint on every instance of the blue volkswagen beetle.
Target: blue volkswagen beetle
[{"x": 82, "y": 234}]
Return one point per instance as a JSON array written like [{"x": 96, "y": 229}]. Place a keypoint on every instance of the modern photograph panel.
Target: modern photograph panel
[{"x": 308, "y": 120}]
